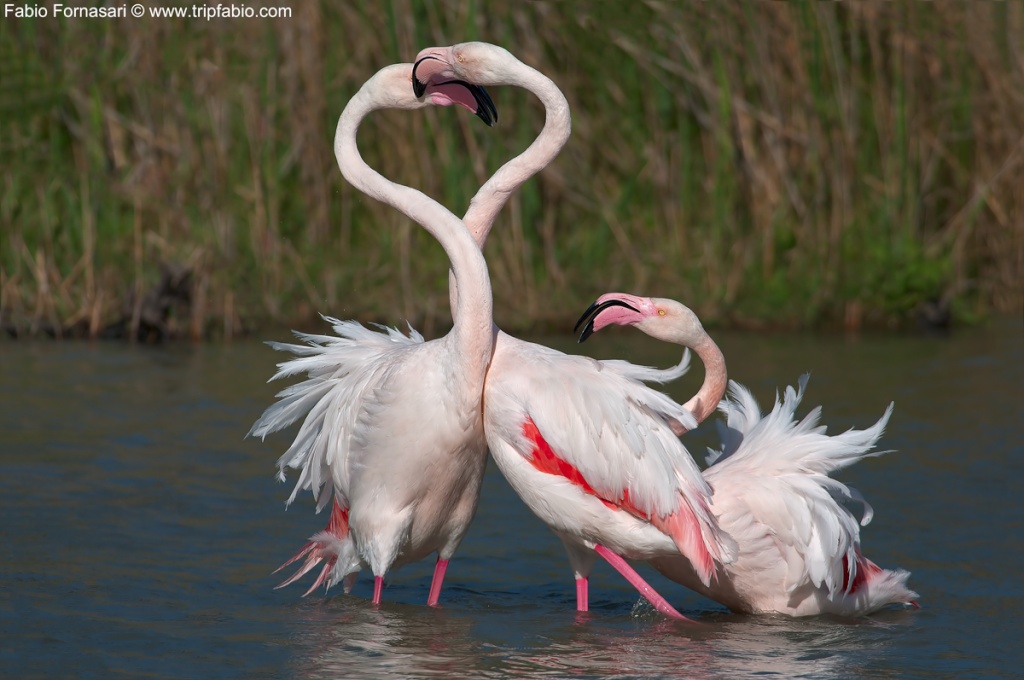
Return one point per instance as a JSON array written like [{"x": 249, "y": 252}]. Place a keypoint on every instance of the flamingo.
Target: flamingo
[
  {"x": 588, "y": 448},
  {"x": 393, "y": 426},
  {"x": 799, "y": 546}
]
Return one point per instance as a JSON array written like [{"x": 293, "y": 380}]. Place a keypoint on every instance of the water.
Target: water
[{"x": 139, "y": 530}]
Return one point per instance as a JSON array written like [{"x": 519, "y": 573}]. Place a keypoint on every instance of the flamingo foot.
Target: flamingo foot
[
  {"x": 435, "y": 583},
  {"x": 649, "y": 593},
  {"x": 582, "y": 595}
]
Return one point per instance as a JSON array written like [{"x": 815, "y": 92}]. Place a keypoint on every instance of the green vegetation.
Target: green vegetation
[{"x": 794, "y": 164}]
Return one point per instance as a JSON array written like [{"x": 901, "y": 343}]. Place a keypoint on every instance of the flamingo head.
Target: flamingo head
[
  {"x": 660, "y": 318},
  {"x": 437, "y": 73}
]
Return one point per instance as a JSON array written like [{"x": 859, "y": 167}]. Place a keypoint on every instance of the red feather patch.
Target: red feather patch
[
  {"x": 866, "y": 569},
  {"x": 682, "y": 525},
  {"x": 547, "y": 461},
  {"x": 338, "y": 524}
]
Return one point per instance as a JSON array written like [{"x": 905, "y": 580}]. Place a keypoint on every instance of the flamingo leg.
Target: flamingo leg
[
  {"x": 651, "y": 595},
  {"x": 378, "y": 586},
  {"x": 435, "y": 583},
  {"x": 582, "y": 596}
]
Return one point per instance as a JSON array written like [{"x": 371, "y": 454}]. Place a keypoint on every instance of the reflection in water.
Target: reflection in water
[{"x": 345, "y": 636}]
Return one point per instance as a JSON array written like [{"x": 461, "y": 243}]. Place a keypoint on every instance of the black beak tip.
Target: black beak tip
[
  {"x": 418, "y": 88},
  {"x": 588, "y": 330},
  {"x": 584, "y": 316},
  {"x": 592, "y": 313},
  {"x": 483, "y": 115},
  {"x": 486, "y": 109}
]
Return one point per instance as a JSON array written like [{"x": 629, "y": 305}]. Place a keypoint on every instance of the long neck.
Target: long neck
[
  {"x": 492, "y": 196},
  {"x": 704, "y": 403},
  {"x": 474, "y": 317}
]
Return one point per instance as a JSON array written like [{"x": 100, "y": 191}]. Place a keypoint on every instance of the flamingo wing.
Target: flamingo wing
[
  {"x": 633, "y": 371},
  {"x": 344, "y": 372},
  {"x": 610, "y": 435},
  {"x": 774, "y": 469}
]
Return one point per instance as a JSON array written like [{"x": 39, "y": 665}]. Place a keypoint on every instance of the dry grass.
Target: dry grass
[{"x": 790, "y": 164}]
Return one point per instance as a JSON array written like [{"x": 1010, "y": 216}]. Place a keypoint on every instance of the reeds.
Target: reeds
[{"x": 795, "y": 164}]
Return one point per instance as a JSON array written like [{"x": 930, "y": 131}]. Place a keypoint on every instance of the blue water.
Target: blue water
[{"x": 139, "y": 530}]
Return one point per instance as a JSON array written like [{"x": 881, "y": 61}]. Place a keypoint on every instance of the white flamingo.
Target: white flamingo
[
  {"x": 799, "y": 546},
  {"x": 393, "y": 427},
  {"x": 589, "y": 449}
]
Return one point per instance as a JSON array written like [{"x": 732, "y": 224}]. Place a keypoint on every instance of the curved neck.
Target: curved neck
[
  {"x": 474, "y": 319},
  {"x": 704, "y": 403},
  {"x": 492, "y": 196}
]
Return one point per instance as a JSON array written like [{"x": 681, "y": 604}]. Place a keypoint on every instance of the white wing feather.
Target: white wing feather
[
  {"x": 649, "y": 373},
  {"x": 343, "y": 371},
  {"x": 775, "y": 468}
]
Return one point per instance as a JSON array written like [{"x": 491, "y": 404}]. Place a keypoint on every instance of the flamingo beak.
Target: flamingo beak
[
  {"x": 486, "y": 110},
  {"x": 479, "y": 102},
  {"x": 594, "y": 311},
  {"x": 418, "y": 87}
]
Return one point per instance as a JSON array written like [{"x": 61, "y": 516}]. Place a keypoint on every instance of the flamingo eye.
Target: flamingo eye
[
  {"x": 459, "y": 58},
  {"x": 661, "y": 312}
]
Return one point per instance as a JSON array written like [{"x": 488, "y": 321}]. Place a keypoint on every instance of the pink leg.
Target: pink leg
[
  {"x": 378, "y": 586},
  {"x": 582, "y": 598},
  {"x": 620, "y": 565},
  {"x": 435, "y": 584}
]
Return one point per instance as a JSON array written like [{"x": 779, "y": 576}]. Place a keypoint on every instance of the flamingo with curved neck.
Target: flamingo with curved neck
[
  {"x": 589, "y": 450},
  {"x": 492, "y": 65},
  {"x": 404, "y": 466},
  {"x": 673, "y": 323},
  {"x": 799, "y": 548}
]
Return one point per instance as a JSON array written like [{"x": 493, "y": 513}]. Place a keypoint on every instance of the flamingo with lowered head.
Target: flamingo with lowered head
[
  {"x": 799, "y": 546},
  {"x": 393, "y": 428},
  {"x": 589, "y": 449}
]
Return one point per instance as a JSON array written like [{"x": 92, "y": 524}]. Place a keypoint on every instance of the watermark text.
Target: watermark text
[{"x": 138, "y": 10}]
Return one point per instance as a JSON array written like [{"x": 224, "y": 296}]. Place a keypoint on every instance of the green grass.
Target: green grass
[{"x": 769, "y": 164}]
